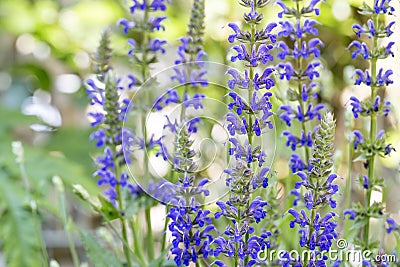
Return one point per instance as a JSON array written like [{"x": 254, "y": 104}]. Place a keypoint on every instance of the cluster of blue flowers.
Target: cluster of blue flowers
[
  {"x": 144, "y": 54},
  {"x": 370, "y": 143},
  {"x": 147, "y": 25},
  {"x": 105, "y": 95},
  {"x": 190, "y": 225},
  {"x": 299, "y": 48},
  {"x": 301, "y": 67},
  {"x": 317, "y": 190},
  {"x": 249, "y": 117},
  {"x": 113, "y": 105}
]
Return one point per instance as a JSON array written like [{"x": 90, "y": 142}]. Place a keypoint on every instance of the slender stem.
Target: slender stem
[
  {"x": 123, "y": 225},
  {"x": 236, "y": 256},
  {"x": 165, "y": 230},
  {"x": 114, "y": 230},
  {"x": 299, "y": 67},
  {"x": 121, "y": 215},
  {"x": 136, "y": 244},
  {"x": 149, "y": 234},
  {"x": 304, "y": 127},
  {"x": 67, "y": 229},
  {"x": 313, "y": 214},
  {"x": 237, "y": 245},
  {"x": 348, "y": 181},
  {"x": 250, "y": 118},
  {"x": 372, "y": 132},
  {"x": 347, "y": 204},
  {"x": 36, "y": 218},
  {"x": 145, "y": 41},
  {"x": 251, "y": 87}
]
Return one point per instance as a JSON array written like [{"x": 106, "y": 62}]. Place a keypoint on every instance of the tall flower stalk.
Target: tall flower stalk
[
  {"x": 316, "y": 190},
  {"x": 107, "y": 95},
  {"x": 371, "y": 143},
  {"x": 145, "y": 20},
  {"x": 104, "y": 94},
  {"x": 189, "y": 224},
  {"x": 299, "y": 49},
  {"x": 249, "y": 118}
]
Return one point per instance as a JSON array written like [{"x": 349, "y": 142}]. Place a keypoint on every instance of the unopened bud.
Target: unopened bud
[
  {"x": 18, "y": 151},
  {"x": 54, "y": 263},
  {"x": 33, "y": 205},
  {"x": 58, "y": 183},
  {"x": 80, "y": 191}
]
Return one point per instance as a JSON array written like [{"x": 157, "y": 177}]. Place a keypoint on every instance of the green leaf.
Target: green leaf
[
  {"x": 358, "y": 224},
  {"x": 21, "y": 243},
  {"x": 11, "y": 119},
  {"x": 99, "y": 256},
  {"x": 108, "y": 209},
  {"x": 362, "y": 157},
  {"x": 39, "y": 77},
  {"x": 72, "y": 148}
]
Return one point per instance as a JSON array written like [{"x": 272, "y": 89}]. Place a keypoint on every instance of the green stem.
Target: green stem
[
  {"x": 36, "y": 218},
  {"x": 115, "y": 231},
  {"x": 145, "y": 41},
  {"x": 123, "y": 224},
  {"x": 67, "y": 228},
  {"x": 299, "y": 67},
  {"x": 149, "y": 234},
  {"x": 348, "y": 181},
  {"x": 303, "y": 126},
  {"x": 372, "y": 132},
  {"x": 236, "y": 245},
  {"x": 236, "y": 257},
  {"x": 165, "y": 230},
  {"x": 250, "y": 118},
  {"x": 136, "y": 244},
  {"x": 121, "y": 215},
  {"x": 347, "y": 204}
]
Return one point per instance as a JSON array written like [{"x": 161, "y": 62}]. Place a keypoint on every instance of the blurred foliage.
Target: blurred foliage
[
  {"x": 20, "y": 241},
  {"x": 97, "y": 253}
]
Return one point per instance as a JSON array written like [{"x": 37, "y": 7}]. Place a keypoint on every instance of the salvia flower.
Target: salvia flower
[
  {"x": 392, "y": 225},
  {"x": 370, "y": 143},
  {"x": 317, "y": 230},
  {"x": 301, "y": 67},
  {"x": 249, "y": 117},
  {"x": 148, "y": 47},
  {"x": 107, "y": 121},
  {"x": 189, "y": 223},
  {"x": 143, "y": 52}
]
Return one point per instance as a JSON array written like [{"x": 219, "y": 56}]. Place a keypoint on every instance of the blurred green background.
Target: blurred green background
[{"x": 45, "y": 55}]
